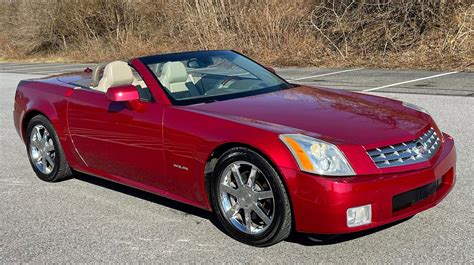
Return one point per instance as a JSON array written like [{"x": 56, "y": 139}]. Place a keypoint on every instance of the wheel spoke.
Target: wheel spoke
[
  {"x": 43, "y": 161},
  {"x": 229, "y": 190},
  {"x": 233, "y": 210},
  {"x": 49, "y": 148},
  {"x": 50, "y": 160},
  {"x": 262, "y": 195},
  {"x": 261, "y": 214},
  {"x": 248, "y": 220},
  {"x": 34, "y": 143},
  {"x": 37, "y": 133},
  {"x": 44, "y": 140},
  {"x": 237, "y": 176},
  {"x": 252, "y": 176}
]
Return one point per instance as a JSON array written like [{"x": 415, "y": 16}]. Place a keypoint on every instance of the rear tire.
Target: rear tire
[
  {"x": 254, "y": 210},
  {"x": 45, "y": 152}
]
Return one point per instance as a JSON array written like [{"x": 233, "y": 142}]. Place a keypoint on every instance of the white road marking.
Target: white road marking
[
  {"x": 410, "y": 81},
  {"x": 39, "y": 67},
  {"x": 34, "y": 65},
  {"x": 332, "y": 73},
  {"x": 57, "y": 71},
  {"x": 26, "y": 64},
  {"x": 46, "y": 64}
]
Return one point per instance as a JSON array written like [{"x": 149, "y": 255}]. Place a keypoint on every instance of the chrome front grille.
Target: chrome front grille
[{"x": 406, "y": 153}]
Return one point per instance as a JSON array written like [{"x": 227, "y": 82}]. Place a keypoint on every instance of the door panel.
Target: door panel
[{"x": 112, "y": 137}]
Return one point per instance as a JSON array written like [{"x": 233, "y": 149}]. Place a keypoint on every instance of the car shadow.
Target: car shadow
[
  {"x": 182, "y": 207},
  {"x": 322, "y": 239},
  {"x": 298, "y": 238}
]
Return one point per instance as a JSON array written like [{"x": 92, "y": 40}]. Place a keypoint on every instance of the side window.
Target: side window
[{"x": 142, "y": 88}]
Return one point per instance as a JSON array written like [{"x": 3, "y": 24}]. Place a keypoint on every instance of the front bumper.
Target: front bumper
[{"x": 320, "y": 203}]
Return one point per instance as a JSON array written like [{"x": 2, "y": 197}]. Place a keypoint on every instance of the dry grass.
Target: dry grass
[{"x": 383, "y": 33}]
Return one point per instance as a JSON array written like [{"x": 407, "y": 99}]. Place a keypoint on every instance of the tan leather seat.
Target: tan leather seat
[
  {"x": 176, "y": 79},
  {"x": 138, "y": 82},
  {"x": 116, "y": 73}
]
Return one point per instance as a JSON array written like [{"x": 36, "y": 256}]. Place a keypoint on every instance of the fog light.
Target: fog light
[{"x": 359, "y": 215}]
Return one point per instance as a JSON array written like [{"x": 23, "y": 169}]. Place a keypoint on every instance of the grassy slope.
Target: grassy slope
[{"x": 405, "y": 34}]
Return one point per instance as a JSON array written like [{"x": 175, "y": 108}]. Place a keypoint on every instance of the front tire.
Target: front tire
[
  {"x": 45, "y": 152},
  {"x": 250, "y": 199}
]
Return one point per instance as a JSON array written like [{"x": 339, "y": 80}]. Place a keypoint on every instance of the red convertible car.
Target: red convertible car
[{"x": 217, "y": 130}]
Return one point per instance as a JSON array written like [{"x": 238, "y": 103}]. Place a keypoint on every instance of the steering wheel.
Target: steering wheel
[
  {"x": 217, "y": 90},
  {"x": 225, "y": 81}
]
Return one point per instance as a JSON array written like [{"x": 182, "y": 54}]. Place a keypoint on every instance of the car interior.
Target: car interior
[
  {"x": 118, "y": 73},
  {"x": 204, "y": 77},
  {"x": 173, "y": 76},
  {"x": 191, "y": 78}
]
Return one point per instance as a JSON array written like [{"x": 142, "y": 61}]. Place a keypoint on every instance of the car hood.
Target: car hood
[{"x": 333, "y": 115}]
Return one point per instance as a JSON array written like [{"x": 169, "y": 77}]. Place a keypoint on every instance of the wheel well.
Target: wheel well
[
  {"x": 28, "y": 116},
  {"x": 216, "y": 155}
]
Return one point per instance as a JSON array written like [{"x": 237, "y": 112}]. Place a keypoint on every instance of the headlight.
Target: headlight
[
  {"x": 316, "y": 156},
  {"x": 415, "y": 107}
]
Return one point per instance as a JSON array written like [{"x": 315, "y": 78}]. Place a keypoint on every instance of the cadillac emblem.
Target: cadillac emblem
[{"x": 420, "y": 148}]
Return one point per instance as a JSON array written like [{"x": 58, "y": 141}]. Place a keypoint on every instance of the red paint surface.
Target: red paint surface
[{"x": 122, "y": 93}]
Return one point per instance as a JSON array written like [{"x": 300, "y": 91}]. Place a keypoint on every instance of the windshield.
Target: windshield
[{"x": 206, "y": 76}]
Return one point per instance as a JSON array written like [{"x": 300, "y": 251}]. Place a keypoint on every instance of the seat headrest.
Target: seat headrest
[
  {"x": 174, "y": 72},
  {"x": 118, "y": 73}
]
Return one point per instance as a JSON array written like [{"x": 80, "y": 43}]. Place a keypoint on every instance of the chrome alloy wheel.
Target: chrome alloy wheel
[
  {"x": 42, "y": 149},
  {"x": 246, "y": 198}
]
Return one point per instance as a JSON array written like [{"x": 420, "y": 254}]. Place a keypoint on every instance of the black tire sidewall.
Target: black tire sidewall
[
  {"x": 57, "y": 159},
  {"x": 247, "y": 155}
]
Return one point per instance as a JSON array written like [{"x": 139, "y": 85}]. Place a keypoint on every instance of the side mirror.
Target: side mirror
[
  {"x": 270, "y": 69},
  {"x": 122, "y": 93}
]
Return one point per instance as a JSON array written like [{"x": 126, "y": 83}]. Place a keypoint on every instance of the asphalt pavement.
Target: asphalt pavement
[{"x": 86, "y": 219}]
